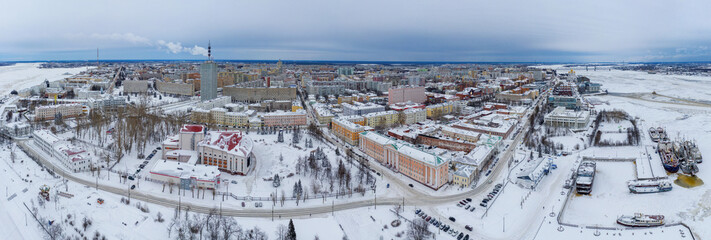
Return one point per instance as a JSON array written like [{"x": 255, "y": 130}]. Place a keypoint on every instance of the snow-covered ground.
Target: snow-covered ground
[
  {"x": 618, "y": 81},
  {"x": 517, "y": 213},
  {"x": 24, "y": 75}
]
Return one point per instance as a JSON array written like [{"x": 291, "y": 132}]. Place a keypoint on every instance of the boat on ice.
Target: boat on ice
[
  {"x": 641, "y": 220},
  {"x": 666, "y": 152},
  {"x": 689, "y": 167},
  {"x": 662, "y": 134},
  {"x": 654, "y": 134},
  {"x": 649, "y": 186}
]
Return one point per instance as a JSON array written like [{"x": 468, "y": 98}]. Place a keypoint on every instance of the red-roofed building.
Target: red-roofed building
[{"x": 230, "y": 151}]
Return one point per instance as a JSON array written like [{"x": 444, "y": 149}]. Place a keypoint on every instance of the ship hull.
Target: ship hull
[
  {"x": 671, "y": 168},
  {"x": 629, "y": 224}
]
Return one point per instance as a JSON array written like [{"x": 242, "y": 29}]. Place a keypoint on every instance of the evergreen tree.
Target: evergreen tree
[
  {"x": 291, "y": 233},
  {"x": 277, "y": 181}
]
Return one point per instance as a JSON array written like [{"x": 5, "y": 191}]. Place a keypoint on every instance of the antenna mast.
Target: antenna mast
[{"x": 209, "y": 51}]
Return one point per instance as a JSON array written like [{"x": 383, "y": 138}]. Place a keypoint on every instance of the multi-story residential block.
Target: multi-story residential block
[
  {"x": 460, "y": 134},
  {"x": 494, "y": 124},
  {"x": 284, "y": 119},
  {"x": 66, "y": 110},
  {"x": 406, "y": 94},
  {"x": 136, "y": 86},
  {"x": 323, "y": 115},
  {"x": 358, "y": 108},
  {"x": 385, "y": 118},
  {"x": 346, "y": 130},
  {"x": 426, "y": 168},
  {"x": 413, "y": 115},
  {"x": 440, "y": 109}
]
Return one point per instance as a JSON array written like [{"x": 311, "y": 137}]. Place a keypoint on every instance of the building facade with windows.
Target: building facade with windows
[{"x": 423, "y": 167}]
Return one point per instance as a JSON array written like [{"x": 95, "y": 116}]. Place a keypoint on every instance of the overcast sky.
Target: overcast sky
[{"x": 394, "y": 30}]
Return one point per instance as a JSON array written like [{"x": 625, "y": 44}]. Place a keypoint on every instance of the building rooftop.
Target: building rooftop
[
  {"x": 183, "y": 170},
  {"x": 229, "y": 141},
  {"x": 188, "y": 128}
]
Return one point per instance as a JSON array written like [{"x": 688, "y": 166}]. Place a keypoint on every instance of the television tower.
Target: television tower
[{"x": 209, "y": 51}]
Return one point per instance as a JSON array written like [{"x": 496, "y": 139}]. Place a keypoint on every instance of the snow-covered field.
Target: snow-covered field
[{"x": 25, "y": 75}]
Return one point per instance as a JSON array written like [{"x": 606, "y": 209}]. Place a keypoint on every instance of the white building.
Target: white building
[
  {"x": 562, "y": 117},
  {"x": 48, "y": 112},
  {"x": 16, "y": 129},
  {"x": 186, "y": 175},
  {"x": 72, "y": 157},
  {"x": 534, "y": 171},
  {"x": 358, "y": 108},
  {"x": 414, "y": 115},
  {"x": 228, "y": 150}
]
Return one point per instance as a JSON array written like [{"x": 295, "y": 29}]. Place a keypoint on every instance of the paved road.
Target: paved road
[{"x": 411, "y": 196}]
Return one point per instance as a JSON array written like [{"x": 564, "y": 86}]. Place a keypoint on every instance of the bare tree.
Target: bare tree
[
  {"x": 230, "y": 228},
  {"x": 283, "y": 197},
  {"x": 418, "y": 230},
  {"x": 281, "y": 232}
]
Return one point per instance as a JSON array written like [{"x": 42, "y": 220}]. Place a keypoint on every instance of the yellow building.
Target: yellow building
[
  {"x": 385, "y": 118},
  {"x": 346, "y": 130},
  {"x": 440, "y": 109},
  {"x": 464, "y": 176},
  {"x": 236, "y": 119},
  {"x": 347, "y": 99}
]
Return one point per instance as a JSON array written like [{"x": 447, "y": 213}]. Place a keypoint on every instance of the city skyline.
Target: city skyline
[{"x": 557, "y": 31}]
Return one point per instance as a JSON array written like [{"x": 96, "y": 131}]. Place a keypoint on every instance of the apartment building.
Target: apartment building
[
  {"x": 425, "y": 168},
  {"x": 284, "y": 119},
  {"x": 358, "y": 108},
  {"x": 406, "y": 94},
  {"x": 67, "y": 110},
  {"x": 346, "y": 130}
]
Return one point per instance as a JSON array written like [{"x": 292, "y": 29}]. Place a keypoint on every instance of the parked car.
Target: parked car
[
  {"x": 133, "y": 187},
  {"x": 412, "y": 186},
  {"x": 467, "y": 227},
  {"x": 472, "y": 209},
  {"x": 461, "y": 235},
  {"x": 417, "y": 211},
  {"x": 467, "y": 207},
  {"x": 452, "y": 219},
  {"x": 469, "y": 200},
  {"x": 428, "y": 219},
  {"x": 130, "y": 178},
  {"x": 482, "y": 204},
  {"x": 466, "y": 237}
]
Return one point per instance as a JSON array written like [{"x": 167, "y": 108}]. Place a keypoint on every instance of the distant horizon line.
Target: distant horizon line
[{"x": 354, "y": 61}]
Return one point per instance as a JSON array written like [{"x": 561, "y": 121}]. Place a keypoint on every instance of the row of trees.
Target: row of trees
[{"x": 215, "y": 226}]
